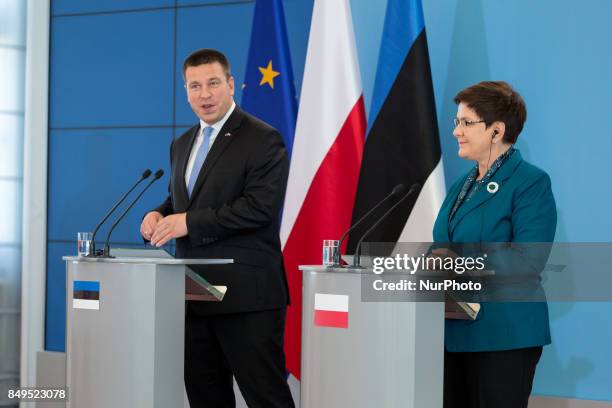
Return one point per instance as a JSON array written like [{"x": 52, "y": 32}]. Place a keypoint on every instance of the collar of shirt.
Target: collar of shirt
[
  {"x": 200, "y": 139},
  {"x": 216, "y": 126}
]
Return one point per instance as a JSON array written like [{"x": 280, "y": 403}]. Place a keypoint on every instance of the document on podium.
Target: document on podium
[
  {"x": 140, "y": 253},
  {"x": 198, "y": 288},
  {"x": 455, "y": 308}
]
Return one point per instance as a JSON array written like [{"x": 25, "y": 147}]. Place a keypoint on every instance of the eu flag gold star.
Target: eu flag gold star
[{"x": 268, "y": 75}]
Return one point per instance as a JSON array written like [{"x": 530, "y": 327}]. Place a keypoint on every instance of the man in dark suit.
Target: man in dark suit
[{"x": 229, "y": 174}]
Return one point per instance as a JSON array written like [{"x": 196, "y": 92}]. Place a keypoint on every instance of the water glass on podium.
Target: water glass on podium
[
  {"x": 330, "y": 246},
  {"x": 84, "y": 243}
]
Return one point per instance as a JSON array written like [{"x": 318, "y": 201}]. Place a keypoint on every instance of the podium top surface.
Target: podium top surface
[
  {"x": 146, "y": 256},
  {"x": 334, "y": 269},
  {"x": 156, "y": 261},
  {"x": 368, "y": 271}
]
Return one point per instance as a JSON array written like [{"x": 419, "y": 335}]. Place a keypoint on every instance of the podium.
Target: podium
[
  {"x": 390, "y": 354},
  {"x": 125, "y": 319}
]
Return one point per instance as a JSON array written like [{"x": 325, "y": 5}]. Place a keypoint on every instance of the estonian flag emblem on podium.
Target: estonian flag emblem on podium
[{"x": 86, "y": 295}]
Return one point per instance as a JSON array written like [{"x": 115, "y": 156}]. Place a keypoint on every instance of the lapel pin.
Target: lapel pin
[
  {"x": 227, "y": 134},
  {"x": 492, "y": 187}
]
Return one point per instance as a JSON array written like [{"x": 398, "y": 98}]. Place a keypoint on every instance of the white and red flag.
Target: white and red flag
[
  {"x": 327, "y": 152},
  {"x": 331, "y": 310}
]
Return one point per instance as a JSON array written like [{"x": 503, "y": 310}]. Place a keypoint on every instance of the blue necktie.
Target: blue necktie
[{"x": 199, "y": 160}]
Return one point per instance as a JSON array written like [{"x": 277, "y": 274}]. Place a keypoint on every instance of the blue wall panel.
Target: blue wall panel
[
  {"x": 178, "y": 131},
  {"x": 577, "y": 363},
  {"x": 91, "y": 169},
  {"x": 94, "y": 6},
  {"x": 210, "y": 27},
  {"x": 181, "y": 3},
  {"x": 55, "y": 324},
  {"x": 112, "y": 70}
]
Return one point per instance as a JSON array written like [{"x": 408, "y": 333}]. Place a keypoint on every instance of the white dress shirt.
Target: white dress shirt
[{"x": 200, "y": 139}]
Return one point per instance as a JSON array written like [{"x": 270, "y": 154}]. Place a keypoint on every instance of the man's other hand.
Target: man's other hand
[
  {"x": 149, "y": 223},
  {"x": 172, "y": 226}
]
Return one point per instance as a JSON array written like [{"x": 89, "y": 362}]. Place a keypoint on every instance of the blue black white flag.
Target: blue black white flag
[{"x": 403, "y": 144}]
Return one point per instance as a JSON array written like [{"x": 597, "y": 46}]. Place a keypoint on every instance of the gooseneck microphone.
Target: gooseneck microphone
[
  {"x": 398, "y": 189},
  {"x": 106, "y": 253},
  {"x": 92, "y": 251},
  {"x": 357, "y": 256}
]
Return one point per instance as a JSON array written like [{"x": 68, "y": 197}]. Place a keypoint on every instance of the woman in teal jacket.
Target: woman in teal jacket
[{"x": 490, "y": 362}]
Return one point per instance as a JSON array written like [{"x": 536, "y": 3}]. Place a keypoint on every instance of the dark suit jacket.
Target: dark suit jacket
[{"x": 234, "y": 212}]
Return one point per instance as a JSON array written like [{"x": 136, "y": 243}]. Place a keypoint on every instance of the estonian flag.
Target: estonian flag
[
  {"x": 86, "y": 295},
  {"x": 403, "y": 144}
]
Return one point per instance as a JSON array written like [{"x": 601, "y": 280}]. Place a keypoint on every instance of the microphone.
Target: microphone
[
  {"x": 92, "y": 251},
  {"x": 106, "y": 254},
  {"x": 398, "y": 189},
  {"x": 357, "y": 256}
]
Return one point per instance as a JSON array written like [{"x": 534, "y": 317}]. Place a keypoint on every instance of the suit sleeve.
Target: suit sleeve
[{"x": 258, "y": 204}]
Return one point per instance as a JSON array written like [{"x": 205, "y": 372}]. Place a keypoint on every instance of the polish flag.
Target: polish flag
[
  {"x": 331, "y": 310},
  {"x": 327, "y": 152}
]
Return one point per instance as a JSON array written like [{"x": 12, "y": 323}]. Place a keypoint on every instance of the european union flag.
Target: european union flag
[{"x": 269, "y": 91}]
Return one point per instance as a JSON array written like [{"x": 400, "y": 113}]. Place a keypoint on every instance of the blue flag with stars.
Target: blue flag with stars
[{"x": 269, "y": 90}]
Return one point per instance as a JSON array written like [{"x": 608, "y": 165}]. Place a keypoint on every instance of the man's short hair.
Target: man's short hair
[
  {"x": 207, "y": 56},
  {"x": 496, "y": 101}
]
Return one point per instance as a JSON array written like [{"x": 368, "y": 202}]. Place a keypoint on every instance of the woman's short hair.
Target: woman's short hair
[{"x": 496, "y": 101}]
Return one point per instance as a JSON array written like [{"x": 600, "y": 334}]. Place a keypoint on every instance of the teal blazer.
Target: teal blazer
[{"x": 522, "y": 210}]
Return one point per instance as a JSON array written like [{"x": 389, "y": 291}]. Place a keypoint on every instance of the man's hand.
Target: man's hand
[
  {"x": 172, "y": 226},
  {"x": 149, "y": 223}
]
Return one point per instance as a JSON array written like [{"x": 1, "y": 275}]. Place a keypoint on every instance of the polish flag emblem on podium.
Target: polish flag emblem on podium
[{"x": 331, "y": 310}]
